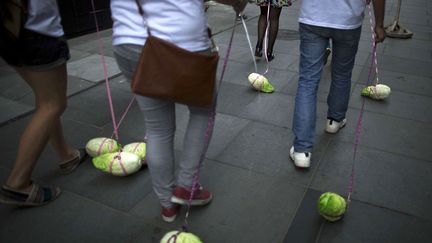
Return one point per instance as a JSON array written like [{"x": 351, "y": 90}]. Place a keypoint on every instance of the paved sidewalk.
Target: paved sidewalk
[{"x": 259, "y": 196}]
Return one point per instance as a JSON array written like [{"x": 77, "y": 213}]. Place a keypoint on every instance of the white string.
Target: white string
[
  {"x": 374, "y": 54},
  {"x": 249, "y": 42}
]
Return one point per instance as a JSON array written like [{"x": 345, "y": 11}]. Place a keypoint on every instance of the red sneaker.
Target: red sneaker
[
  {"x": 170, "y": 214},
  {"x": 181, "y": 196}
]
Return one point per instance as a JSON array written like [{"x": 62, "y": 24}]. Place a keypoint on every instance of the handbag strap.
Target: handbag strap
[{"x": 141, "y": 12}]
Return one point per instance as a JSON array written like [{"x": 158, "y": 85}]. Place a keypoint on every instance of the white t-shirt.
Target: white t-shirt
[
  {"x": 340, "y": 14},
  {"x": 44, "y": 18},
  {"x": 182, "y": 22}
]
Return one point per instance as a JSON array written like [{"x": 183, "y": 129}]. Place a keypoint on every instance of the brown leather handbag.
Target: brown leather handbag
[{"x": 169, "y": 72}]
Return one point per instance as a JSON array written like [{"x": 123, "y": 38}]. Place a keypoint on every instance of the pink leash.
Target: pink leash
[
  {"x": 374, "y": 62},
  {"x": 110, "y": 102},
  {"x": 103, "y": 62},
  {"x": 209, "y": 131}
]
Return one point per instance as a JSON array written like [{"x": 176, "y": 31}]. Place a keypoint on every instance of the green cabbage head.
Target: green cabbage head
[
  {"x": 99, "y": 146},
  {"x": 260, "y": 83},
  {"x": 182, "y": 237},
  {"x": 331, "y": 206},
  {"x": 136, "y": 148},
  {"x": 118, "y": 163},
  {"x": 376, "y": 92}
]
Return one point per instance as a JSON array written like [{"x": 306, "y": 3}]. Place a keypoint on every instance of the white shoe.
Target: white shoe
[
  {"x": 333, "y": 126},
  {"x": 301, "y": 160}
]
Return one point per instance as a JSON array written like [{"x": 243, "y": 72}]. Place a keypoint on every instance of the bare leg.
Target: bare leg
[{"x": 49, "y": 88}]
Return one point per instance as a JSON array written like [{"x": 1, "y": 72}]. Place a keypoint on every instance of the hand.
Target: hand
[{"x": 380, "y": 34}]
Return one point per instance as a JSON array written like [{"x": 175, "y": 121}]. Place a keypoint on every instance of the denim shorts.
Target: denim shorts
[{"x": 36, "y": 51}]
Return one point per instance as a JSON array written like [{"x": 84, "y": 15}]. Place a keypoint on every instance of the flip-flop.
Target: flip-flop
[
  {"x": 38, "y": 196},
  {"x": 70, "y": 165}
]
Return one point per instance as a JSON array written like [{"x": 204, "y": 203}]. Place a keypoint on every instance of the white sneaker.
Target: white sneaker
[
  {"x": 301, "y": 160},
  {"x": 334, "y": 126}
]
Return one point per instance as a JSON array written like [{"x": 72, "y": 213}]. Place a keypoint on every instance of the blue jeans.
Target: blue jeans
[{"x": 313, "y": 42}]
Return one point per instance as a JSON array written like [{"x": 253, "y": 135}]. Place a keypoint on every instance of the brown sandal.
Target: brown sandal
[
  {"x": 38, "y": 196},
  {"x": 69, "y": 166}
]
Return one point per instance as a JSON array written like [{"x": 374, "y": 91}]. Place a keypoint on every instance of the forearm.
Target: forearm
[{"x": 379, "y": 10}]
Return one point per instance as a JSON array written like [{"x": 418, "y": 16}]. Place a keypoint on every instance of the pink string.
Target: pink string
[
  {"x": 136, "y": 147},
  {"x": 120, "y": 163},
  {"x": 374, "y": 63},
  {"x": 209, "y": 130},
  {"x": 124, "y": 114},
  {"x": 102, "y": 54},
  {"x": 100, "y": 146}
]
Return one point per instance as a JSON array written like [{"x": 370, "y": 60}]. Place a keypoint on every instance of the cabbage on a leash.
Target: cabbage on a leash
[
  {"x": 331, "y": 206},
  {"x": 118, "y": 163},
  {"x": 376, "y": 92},
  {"x": 101, "y": 145},
  {"x": 180, "y": 237},
  {"x": 260, "y": 83}
]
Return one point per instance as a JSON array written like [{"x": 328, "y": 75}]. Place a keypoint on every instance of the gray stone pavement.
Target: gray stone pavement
[{"x": 258, "y": 194}]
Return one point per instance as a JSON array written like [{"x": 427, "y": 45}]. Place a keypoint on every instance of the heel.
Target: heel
[{"x": 258, "y": 52}]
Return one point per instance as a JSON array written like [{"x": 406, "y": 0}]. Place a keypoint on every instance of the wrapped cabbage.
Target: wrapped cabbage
[
  {"x": 376, "y": 92},
  {"x": 260, "y": 83},
  {"x": 138, "y": 149},
  {"x": 99, "y": 146},
  {"x": 118, "y": 163},
  {"x": 180, "y": 237}
]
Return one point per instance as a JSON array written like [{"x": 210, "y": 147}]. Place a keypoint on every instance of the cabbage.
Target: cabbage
[
  {"x": 331, "y": 206},
  {"x": 182, "y": 237},
  {"x": 260, "y": 83},
  {"x": 118, "y": 163},
  {"x": 136, "y": 148},
  {"x": 377, "y": 92},
  {"x": 98, "y": 146}
]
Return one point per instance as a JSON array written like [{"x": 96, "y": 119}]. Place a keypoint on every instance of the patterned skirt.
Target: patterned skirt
[{"x": 274, "y": 3}]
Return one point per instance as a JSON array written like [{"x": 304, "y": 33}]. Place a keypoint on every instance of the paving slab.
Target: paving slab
[
  {"x": 13, "y": 87},
  {"x": 93, "y": 106},
  {"x": 376, "y": 175},
  {"x": 400, "y": 81},
  {"x": 90, "y": 68},
  {"x": 11, "y": 109},
  {"x": 306, "y": 215},
  {"x": 259, "y": 196},
  {"x": 396, "y": 105},
  {"x": 81, "y": 220},
  {"x": 368, "y": 223},
  {"x": 237, "y": 193},
  {"x": 391, "y": 134},
  {"x": 363, "y": 222}
]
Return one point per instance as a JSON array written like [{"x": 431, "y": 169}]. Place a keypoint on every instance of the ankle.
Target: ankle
[
  {"x": 68, "y": 154},
  {"x": 22, "y": 186}
]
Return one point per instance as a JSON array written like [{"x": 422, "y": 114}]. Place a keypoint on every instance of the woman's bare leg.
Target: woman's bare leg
[{"x": 49, "y": 88}]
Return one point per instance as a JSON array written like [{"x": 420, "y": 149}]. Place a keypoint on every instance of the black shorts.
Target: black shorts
[{"x": 35, "y": 51}]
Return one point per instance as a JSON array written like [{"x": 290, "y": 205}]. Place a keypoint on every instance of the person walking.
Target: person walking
[
  {"x": 319, "y": 21},
  {"x": 39, "y": 56},
  {"x": 273, "y": 24},
  {"x": 183, "y": 24}
]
